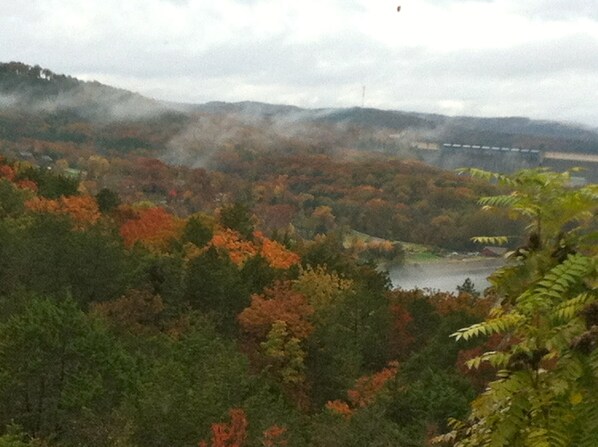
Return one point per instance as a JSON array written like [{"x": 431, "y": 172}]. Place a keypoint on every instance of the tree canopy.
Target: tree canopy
[{"x": 546, "y": 389}]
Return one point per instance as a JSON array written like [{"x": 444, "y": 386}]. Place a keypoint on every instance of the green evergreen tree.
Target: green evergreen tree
[
  {"x": 214, "y": 285},
  {"x": 59, "y": 367},
  {"x": 468, "y": 287},
  {"x": 238, "y": 217},
  {"x": 12, "y": 199},
  {"x": 197, "y": 232},
  {"x": 107, "y": 200}
]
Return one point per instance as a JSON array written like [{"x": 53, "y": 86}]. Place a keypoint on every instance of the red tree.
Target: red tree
[{"x": 229, "y": 435}]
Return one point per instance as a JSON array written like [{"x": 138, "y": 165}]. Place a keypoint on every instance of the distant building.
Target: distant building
[
  {"x": 26, "y": 155},
  {"x": 493, "y": 252},
  {"x": 75, "y": 173},
  {"x": 45, "y": 161}
]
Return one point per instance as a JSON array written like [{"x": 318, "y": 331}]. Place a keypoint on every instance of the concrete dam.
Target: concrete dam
[{"x": 507, "y": 159}]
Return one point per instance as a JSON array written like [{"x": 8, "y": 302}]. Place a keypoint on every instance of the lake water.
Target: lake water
[{"x": 444, "y": 275}]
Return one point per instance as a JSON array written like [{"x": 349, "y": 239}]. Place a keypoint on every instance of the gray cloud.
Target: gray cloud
[
  {"x": 559, "y": 9},
  {"x": 574, "y": 54},
  {"x": 320, "y": 54}
]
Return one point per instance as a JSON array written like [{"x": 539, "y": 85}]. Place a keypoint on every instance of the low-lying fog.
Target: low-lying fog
[{"x": 444, "y": 275}]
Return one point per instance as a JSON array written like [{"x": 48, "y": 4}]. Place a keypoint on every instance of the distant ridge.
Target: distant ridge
[
  {"x": 35, "y": 89},
  {"x": 507, "y": 131}
]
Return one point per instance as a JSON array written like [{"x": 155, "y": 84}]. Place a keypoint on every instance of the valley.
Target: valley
[{"x": 258, "y": 275}]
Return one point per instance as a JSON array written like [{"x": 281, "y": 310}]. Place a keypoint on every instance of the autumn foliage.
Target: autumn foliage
[
  {"x": 479, "y": 377},
  {"x": 274, "y": 436},
  {"x": 234, "y": 434},
  {"x": 137, "y": 312},
  {"x": 275, "y": 253},
  {"x": 82, "y": 209},
  {"x": 339, "y": 407},
  {"x": 401, "y": 339},
  {"x": 322, "y": 288},
  {"x": 141, "y": 325},
  {"x": 277, "y": 322},
  {"x": 446, "y": 304},
  {"x": 365, "y": 390},
  {"x": 231, "y": 434},
  {"x": 7, "y": 172},
  {"x": 152, "y": 227},
  {"x": 278, "y": 303},
  {"x": 240, "y": 250},
  {"x": 26, "y": 184}
]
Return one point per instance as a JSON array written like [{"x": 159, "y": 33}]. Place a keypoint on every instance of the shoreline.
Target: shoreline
[
  {"x": 445, "y": 274},
  {"x": 456, "y": 261}
]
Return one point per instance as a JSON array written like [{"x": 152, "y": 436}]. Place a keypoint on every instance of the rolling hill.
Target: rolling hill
[{"x": 33, "y": 90}]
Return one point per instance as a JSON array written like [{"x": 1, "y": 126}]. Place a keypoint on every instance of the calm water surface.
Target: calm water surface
[{"x": 444, "y": 275}]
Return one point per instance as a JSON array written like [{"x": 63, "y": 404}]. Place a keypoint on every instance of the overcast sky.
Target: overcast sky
[{"x": 536, "y": 58}]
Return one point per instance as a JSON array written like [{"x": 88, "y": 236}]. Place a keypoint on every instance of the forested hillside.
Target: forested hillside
[
  {"x": 307, "y": 177},
  {"x": 123, "y": 324},
  {"x": 409, "y": 127},
  {"x": 298, "y": 170},
  {"x": 182, "y": 277},
  {"x": 127, "y": 324}
]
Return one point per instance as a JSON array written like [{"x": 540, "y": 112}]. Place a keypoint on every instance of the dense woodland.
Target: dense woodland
[
  {"x": 125, "y": 323},
  {"x": 160, "y": 286},
  {"x": 310, "y": 178}
]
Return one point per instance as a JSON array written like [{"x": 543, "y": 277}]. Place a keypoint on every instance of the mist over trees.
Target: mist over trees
[{"x": 210, "y": 276}]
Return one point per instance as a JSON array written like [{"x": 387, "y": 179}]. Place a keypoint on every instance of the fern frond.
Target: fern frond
[
  {"x": 491, "y": 240},
  {"x": 546, "y": 391},
  {"x": 570, "y": 308},
  {"x": 560, "y": 279},
  {"x": 497, "y": 359},
  {"x": 500, "y": 201},
  {"x": 503, "y": 323},
  {"x": 478, "y": 173}
]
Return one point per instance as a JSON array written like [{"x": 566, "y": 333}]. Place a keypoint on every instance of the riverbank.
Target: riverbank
[
  {"x": 427, "y": 267},
  {"x": 444, "y": 274}
]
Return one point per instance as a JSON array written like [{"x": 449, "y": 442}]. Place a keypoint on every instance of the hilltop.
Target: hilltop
[
  {"x": 36, "y": 90},
  {"x": 314, "y": 169},
  {"x": 412, "y": 126}
]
